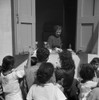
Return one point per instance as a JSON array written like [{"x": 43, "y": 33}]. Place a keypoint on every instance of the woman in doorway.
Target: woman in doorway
[{"x": 54, "y": 41}]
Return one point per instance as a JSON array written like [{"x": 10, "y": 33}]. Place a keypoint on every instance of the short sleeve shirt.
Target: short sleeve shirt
[{"x": 47, "y": 92}]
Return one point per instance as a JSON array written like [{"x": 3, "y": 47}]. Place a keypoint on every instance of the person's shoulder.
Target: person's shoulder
[
  {"x": 32, "y": 88},
  {"x": 51, "y": 36},
  {"x": 34, "y": 85},
  {"x": 33, "y": 69},
  {"x": 94, "y": 94},
  {"x": 96, "y": 90},
  {"x": 51, "y": 86}
]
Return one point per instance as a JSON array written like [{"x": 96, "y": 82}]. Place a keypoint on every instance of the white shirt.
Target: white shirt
[
  {"x": 11, "y": 86},
  {"x": 47, "y": 92},
  {"x": 85, "y": 88},
  {"x": 54, "y": 59}
]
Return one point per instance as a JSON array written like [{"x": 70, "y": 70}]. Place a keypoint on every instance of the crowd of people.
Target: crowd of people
[{"x": 41, "y": 80}]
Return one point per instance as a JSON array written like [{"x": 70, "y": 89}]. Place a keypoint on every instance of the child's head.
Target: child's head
[
  {"x": 33, "y": 61},
  {"x": 66, "y": 60},
  {"x": 42, "y": 54},
  {"x": 59, "y": 74},
  {"x": 45, "y": 72},
  {"x": 7, "y": 63},
  {"x": 86, "y": 72},
  {"x": 95, "y": 62}
]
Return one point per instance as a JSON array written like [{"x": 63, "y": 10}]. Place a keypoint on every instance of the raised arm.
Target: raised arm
[{"x": 31, "y": 51}]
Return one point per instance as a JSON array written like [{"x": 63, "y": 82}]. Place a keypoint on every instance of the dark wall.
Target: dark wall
[
  {"x": 70, "y": 16},
  {"x": 48, "y": 12}
]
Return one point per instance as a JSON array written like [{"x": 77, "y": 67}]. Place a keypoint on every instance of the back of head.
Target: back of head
[
  {"x": 7, "y": 63},
  {"x": 66, "y": 60},
  {"x": 42, "y": 54},
  {"x": 33, "y": 61},
  {"x": 86, "y": 72},
  {"x": 68, "y": 65},
  {"x": 94, "y": 61},
  {"x": 45, "y": 72}
]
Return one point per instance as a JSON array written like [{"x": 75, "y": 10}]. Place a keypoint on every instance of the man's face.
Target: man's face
[{"x": 58, "y": 32}]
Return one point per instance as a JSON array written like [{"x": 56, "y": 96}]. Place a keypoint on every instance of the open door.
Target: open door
[
  {"x": 24, "y": 11},
  {"x": 87, "y": 26}
]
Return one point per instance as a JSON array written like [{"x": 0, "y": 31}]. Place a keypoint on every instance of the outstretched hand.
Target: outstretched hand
[{"x": 31, "y": 50}]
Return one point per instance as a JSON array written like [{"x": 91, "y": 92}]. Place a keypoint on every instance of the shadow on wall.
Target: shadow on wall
[
  {"x": 19, "y": 59},
  {"x": 91, "y": 47}
]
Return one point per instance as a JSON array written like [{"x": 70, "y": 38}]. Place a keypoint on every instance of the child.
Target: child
[
  {"x": 87, "y": 75},
  {"x": 44, "y": 89},
  {"x": 59, "y": 74},
  {"x": 9, "y": 79},
  {"x": 42, "y": 55},
  {"x": 70, "y": 84},
  {"x": 95, "y": 63}
]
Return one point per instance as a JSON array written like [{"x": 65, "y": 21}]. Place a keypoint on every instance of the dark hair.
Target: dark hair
[
  {"x": 56, "y": 27},
  {"x": 86, "y": 72},
  {"x": 45, "y": 72},
  {"x": 68, "y": 65},
  {"x": 59, "y": 74},
  {"x": 94, "y": 61},
  {"x": 7, "y": 63},
  {"x": 66, "y": 60},
  {"x": 42, "y": 54},
  {"x": 33, "y": 61}
]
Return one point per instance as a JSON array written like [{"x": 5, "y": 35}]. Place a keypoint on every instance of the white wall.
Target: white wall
[
  {"x": 5, "y": 29},
  {"x": 91, "y": 56}
]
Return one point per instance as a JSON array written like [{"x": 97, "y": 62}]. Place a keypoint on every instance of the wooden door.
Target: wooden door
[
  {"x": 87, "y": 26},
  {"x": 24, "y": 12}
]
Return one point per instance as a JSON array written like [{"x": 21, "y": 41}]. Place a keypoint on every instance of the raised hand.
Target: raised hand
[{"x": 31, "y": 50}]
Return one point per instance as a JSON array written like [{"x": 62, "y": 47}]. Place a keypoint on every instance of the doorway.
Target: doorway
[{"x": 63, "y": 12}]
